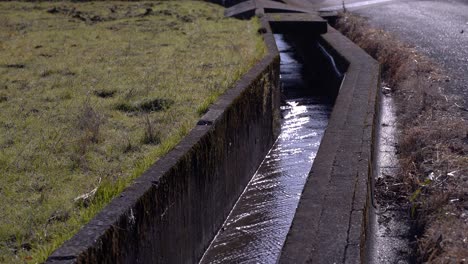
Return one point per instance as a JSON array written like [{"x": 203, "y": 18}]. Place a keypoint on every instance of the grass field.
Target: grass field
[{"x": 91, "y": 94}]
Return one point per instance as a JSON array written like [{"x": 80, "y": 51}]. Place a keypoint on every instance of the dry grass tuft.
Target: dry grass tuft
[
  {"x": 432, "y": 143},
  {"x": 90, "y": 122},
  {"x": 152, "y": 135}
]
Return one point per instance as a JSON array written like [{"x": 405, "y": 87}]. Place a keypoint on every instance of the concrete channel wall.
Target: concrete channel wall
[
  {"x": 172, "y": 212},
  {"x": 331, "y": 222}
]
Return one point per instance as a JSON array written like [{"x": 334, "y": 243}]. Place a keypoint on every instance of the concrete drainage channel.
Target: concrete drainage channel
[
  {"x": 257, "y": 226},
  {"x": 173, "y": 211}
]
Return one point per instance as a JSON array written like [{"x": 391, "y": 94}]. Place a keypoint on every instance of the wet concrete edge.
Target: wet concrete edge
[
  {"x": 171, "y": 213},
  {"x": 331, "y": 222},
  {"x": 247, "y": 9}
]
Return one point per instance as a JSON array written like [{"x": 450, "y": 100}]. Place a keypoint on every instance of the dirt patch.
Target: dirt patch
[
  {"x": 104, "y": 93},
  {"x": 114, "y": 12},
  {"x": 432, "y": 145},
  {"x": 146, "y": 106},
  {"x": 72, "y": 12},
  {"x": 14, "y": 66},
  {"x": 64, "y": 72}
]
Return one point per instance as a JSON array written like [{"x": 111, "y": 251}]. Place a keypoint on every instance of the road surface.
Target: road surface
[{"x": 436, "y": 28}]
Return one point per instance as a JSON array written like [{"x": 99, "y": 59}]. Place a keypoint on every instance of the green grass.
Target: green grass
[{"x": 91, "y": 95}]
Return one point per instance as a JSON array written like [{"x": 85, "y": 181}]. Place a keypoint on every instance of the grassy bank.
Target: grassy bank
[
  {"x": 432, "y": 144},
  {"x": 91, "y": 94}
]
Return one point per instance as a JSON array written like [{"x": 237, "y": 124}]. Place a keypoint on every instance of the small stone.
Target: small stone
[{"x": 386, "y": 90}]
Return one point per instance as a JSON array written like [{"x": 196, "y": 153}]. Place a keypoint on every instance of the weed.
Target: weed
[
  {"x": 152, "y": 135},
  {"x": 203, "y": 108},
  {"x": 89, "y": 122}
]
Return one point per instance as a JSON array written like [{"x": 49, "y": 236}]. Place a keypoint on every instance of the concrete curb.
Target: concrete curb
[
  {"x": 171, "y": 213},
  {"x": 247, "y": 8},
  {"x": 331, "y": 222}
]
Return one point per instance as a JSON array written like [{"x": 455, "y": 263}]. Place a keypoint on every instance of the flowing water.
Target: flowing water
[{"x": 256, "y": 228}]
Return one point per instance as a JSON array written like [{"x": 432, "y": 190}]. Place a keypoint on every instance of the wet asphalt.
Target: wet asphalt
[{"x": 436, "y": 28}]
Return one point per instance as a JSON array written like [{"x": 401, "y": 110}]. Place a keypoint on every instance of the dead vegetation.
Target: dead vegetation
[{"x": 432, "y": 144}]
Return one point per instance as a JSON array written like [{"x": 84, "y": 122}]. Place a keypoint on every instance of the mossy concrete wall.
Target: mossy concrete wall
[{"x": 172, "y": 212}]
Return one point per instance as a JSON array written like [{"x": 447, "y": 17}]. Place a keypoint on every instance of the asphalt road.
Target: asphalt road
[{"x": 436, "y": 28}]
